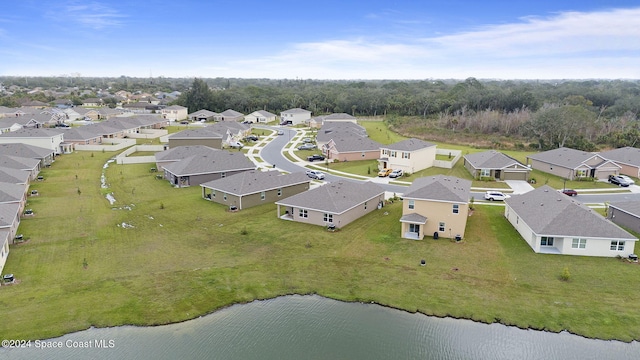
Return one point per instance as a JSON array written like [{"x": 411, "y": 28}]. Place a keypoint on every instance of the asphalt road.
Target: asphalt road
[{"x": 272, "y": 153}]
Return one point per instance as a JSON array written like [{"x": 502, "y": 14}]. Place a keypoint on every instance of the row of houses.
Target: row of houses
[{"x": 20, "y": 165}]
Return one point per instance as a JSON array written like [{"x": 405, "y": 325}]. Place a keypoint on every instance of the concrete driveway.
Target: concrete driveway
[{"x": 519, "y": 186}]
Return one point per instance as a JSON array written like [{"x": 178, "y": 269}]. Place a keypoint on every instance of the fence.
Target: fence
[
  {"x": 447, "y": 164},
  {"x": 124, "y": 158}
]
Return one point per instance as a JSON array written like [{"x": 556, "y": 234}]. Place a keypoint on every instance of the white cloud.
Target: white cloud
[
  {"x": 570, "y": 44},
  {"x": 94, "y": 15}
]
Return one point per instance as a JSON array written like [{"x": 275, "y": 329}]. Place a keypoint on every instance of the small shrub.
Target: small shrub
[
  {"x": 161, "y": 206},
  {"x": 244, "y": 231},
  {"x": 566, "y": 275}
]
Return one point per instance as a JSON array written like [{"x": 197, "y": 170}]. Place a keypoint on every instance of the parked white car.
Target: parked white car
[
  {"x": 627, "y": 179},
  {"x": 396, "y": 173},
  {"x": 495, "y": 196},
  {"x": 315, "y": 174}
]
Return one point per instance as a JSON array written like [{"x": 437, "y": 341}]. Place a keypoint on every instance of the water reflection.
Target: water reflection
[{"x": 312, "y": 327}]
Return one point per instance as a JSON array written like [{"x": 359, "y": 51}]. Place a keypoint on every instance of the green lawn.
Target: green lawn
[{"x": 184, "y": 257}]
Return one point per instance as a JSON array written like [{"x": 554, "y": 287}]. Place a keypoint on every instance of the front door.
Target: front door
[
  {"x": 498, "y": 173},
  {"x": 414, "y": 228}
]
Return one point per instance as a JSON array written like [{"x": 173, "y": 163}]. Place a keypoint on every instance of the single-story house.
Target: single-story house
[
  {"x": 44, "y": 155},
  {"x": 435, "y": 205},
  {"x": 495, "y": 165},
  {"x": 202, "y": 115},
  {"x": 260, "y": 116},
  {"x": 194, "y": 165},
  {"x": 295, "y": 116},
  {"x": 318, "y": 121},
  {"x": 14, "y": 176},
  {"x": 13, "y": 194},
  {"x": 229, "y": 115},
  {"x": 9, "y": 222},
  {"x": 334, "y": 130},
  {"x": 30, "y": 165},
  {"x": 628, "y": 158},
  {"x": 174, "y": 112},
  {"x": 625, "y": 214},
  {"x": 334, "y": 204},
  {"x": 572, "y": 164},
  {"x": 553, "y": 223},
  {"x": 251, "y": 188},
  {"x": 409, "y": 155},
  {"x": 206, "y": 136},
  {"x": 347, "y": 148},
  {"x": 92, "y": 102}
]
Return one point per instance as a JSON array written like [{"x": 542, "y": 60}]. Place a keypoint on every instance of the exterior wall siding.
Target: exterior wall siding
[
  {"x": 437, "y": 212},
  {"x": 212, "y": 143},
  {"x": 624, "y": 219},
  {"x": 560, "y": 171}
]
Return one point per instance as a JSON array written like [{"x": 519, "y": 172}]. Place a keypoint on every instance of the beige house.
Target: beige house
[
  {"x": 436, "y": 206},
  {"x": 174, "y": 113},
  {"x": 409, "y": 155},
  {"x": 252, "y": 188},
  {"x": 628, "y": 158},
  {"x": 333, "y": 205},
  {"x": 295, "y": 116},
  {"x": 260, "y": 116},
  {"x": 553, "y": 223},
  {"x": 44, "y": 138},
  {"x": 572, "y": 164},
  {"x": 495, "y": 165}
]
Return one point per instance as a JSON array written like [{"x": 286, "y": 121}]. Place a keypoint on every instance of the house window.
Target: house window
[
  {"x": 411, "y": 204},
  {"x": 581, "y": 173},
  {"x": 363, "y": 154},
  {"x": 222, "y": 175},
  {"x": 579, "y": 243},
  {"x": 224, "y": 197},
  {"x": 617, "y": 245},
  {"x": 405, "y": 155},
  {"x": 456, "y": 208},
  {"x": 303, "y": 213},
  {"x": 280, "y": 192},
  {"x": 213, "y": 193},
  {"x": 328, "y": 218},
  {"x": 441, "y": 226},
  {"x": 262, "y": 195},
  {"x": 546, "y": 241},
  {"x": 393, "y": 154},
  {"x": 365, "y": 205},
  {"x": 485, "y": 172}
]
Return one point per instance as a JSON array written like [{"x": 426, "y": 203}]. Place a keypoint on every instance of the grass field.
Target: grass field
[{"x": 162, "y": 254}]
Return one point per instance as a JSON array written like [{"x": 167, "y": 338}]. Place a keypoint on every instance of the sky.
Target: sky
[{"x": 360, "y": 39}]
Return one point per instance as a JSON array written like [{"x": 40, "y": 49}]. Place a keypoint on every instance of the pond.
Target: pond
[{"x": 313, "y": 327}]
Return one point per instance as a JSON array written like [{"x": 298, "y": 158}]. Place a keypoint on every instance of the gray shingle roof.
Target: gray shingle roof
[
  {"x": 565, "y": 157},
  {"x": 11, "y": 192},
  {"x": 251, "y": 182},
  {"x": 295, "y": 111},
  {"x": 626, "y": 155},
  {"x": 203, "y": 113},
  {"x": 183, "y": 152},
  {"x": 24, "y": 150},
  {"x": 414, "y": 218},
  {"x": 491, "y": 160},
  {"x": 549, "y": 212},
  {"x": 20, "y": 163},
  {"x": 33, "y": 133},
  {"x": 200, "y": 133},
  {"x": 207, "y": 162},
  {"x": 439, "y": 188},
  {"x": 8, "y": 214},
  {"x": 335, "y": 130},
  {"x": 335, "y": 197},
  {"x": 409, "y": 145},
  {"x": 231, "y": 113},
  {"x": 13, "y": 176},
  {"x": 631, "y": 207},
  {"x": 355, "y": 144}
]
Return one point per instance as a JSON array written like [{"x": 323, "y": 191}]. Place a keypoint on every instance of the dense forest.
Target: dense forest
[{"x": 539, "y": 114}]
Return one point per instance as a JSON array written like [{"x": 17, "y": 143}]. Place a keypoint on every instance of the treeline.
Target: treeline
[{"x": 542, "y": 114}]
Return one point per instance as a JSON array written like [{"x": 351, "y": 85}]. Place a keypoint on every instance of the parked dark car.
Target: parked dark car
[
  {"x": 617, "y": 180},
  {"x": 251, "y": 138},
  {"x": 569, "y": 192},
  {"x": 315, "y": 157}
]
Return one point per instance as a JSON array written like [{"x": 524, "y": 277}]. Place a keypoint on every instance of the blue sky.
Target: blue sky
[{"x": 322, "y": 40}]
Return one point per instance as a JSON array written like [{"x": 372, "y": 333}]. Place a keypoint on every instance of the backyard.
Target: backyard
[{"x": 161, "y": 254}]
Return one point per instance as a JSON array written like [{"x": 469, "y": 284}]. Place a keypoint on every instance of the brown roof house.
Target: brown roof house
[
  {"x": 409, "y": 155},
  {"x": 260, "y": 116},
  {"x": 194, "y": 165},
  {"x": 495, "y": 165},
  {"x": 202, "y": 115},
  {"x": 229, "y": 115},
  {"x": 335, "y": 204},
  {"x": 573, "y": 164},
  {"x": 625, "y": 214},
  {"x": 553, "y": 223},
  {"x": 252, "y": 188},
  {"x": 435, "y": 205},
  {"x": 628, "y": 158}
]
